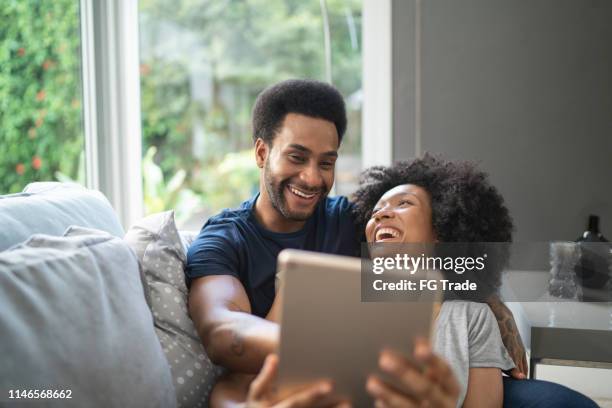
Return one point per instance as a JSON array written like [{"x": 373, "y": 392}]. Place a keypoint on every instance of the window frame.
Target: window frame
[{"x": 111, "y": 103}]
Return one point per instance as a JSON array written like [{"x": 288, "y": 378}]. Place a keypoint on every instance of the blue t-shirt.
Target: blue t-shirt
[{"x": 234, "y": 243}]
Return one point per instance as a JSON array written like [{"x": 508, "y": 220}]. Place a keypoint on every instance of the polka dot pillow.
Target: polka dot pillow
[{"x": 158, "y": 245}]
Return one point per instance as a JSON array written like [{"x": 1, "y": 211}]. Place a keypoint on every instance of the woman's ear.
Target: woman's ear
[{"x": 261, "y": 152}]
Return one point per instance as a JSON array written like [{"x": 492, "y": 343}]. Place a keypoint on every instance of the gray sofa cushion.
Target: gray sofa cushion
[
  {"x": 161, "y": 251},
  {"x": 74, "y": 318},
  {"x": 50, "y": 208}
]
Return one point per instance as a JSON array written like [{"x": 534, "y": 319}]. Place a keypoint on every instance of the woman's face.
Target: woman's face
[{"x": 402, "y": 215}]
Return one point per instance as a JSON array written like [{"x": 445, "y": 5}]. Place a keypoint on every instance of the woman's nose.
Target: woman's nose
[{"x": 383, "y": 213}]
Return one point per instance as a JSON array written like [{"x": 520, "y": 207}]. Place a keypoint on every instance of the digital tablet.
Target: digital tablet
[{"x": 327, "y": 332}]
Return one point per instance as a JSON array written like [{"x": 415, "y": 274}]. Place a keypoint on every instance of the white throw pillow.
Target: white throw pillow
[{"x": 159, "y": 247}]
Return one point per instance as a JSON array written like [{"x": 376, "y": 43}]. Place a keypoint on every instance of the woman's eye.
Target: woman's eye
[{"x": 404, "y": 203}]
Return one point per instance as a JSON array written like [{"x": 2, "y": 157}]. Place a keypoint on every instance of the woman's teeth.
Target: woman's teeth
[
  {"x": 387, "y": 233},
  {"x": 301, "y": 193}
]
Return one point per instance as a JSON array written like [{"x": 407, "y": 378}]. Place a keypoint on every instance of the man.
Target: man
[{"x": 297, "y": 128}]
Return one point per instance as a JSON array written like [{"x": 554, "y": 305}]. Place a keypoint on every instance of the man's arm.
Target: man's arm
[
  {"x": 274, "y": 314},
  {"x": 510, "y": 336},
  {"x": 232, "y": 336}
]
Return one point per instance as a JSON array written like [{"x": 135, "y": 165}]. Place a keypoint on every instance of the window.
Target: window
[
  {"x": 202, "y": 64},
  {"x": 41, "y": 130}
]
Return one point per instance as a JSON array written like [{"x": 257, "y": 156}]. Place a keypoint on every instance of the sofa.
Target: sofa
[{"x": 92, "y": 315}]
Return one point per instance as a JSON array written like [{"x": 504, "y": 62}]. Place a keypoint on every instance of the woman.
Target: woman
[{"x": 429, "y": 200}]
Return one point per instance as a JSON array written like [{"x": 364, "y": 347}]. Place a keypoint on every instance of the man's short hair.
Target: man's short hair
[{"x": 303, "y": 96}]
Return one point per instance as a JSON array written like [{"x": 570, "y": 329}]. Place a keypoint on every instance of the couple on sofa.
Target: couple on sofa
[{"x": 297, "y": 128}]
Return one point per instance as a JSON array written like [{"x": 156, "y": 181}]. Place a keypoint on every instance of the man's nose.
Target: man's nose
[{"x": 311, "y": 177}]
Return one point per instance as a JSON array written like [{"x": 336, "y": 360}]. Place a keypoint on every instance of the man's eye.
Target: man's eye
[
  {"x": 327, "y": 165},
  {"x": 297, "y": 158}
]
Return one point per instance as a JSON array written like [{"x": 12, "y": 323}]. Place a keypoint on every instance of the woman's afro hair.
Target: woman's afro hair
[{"x": 465, "y": 206}]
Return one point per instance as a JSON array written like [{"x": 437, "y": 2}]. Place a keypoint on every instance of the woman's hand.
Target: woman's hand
[
  {"x": 432, "y": 385},
  {"x": 261, "y": 391}
]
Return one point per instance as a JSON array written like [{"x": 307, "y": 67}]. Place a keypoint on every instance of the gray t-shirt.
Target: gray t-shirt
[{"x": 467, "y": 335}]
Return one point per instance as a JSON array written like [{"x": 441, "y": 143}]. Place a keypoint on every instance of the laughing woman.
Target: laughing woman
[{"x": 430, "y": 200}]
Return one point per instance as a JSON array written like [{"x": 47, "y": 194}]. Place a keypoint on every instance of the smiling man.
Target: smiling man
[{"x": 297, "y": 129}]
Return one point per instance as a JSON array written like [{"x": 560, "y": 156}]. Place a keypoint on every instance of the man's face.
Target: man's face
[{"x": 298, "y": 167}]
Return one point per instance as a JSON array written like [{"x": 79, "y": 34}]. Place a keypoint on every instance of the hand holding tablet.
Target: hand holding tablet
[
  {"x": 262, "y": 391},
  {"x": 327, "y": 332},
  {"x": 430, "y": 382}
]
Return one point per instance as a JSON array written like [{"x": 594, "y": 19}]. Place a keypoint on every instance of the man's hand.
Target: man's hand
[
  {"x": 510, "y": 336},
  {"x": 432, "y": 383},
  {"x": 261, "y": 391}
]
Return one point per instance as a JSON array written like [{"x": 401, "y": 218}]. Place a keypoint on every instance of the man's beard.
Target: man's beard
[{"x": 276, "y": 192}]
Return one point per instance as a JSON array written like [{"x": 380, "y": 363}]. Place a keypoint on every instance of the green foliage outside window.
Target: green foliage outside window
[
  {"x": 41, "y": 136},
  {"x": 203, "y": 62}
]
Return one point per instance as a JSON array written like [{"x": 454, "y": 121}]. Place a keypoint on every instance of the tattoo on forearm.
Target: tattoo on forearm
[
  {"x": 508, "y": 330},
  {"x": 235, "y": 307},
  {"x": 237, "y": 345}
]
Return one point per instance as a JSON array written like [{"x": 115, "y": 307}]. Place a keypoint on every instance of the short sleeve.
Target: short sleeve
[
  {"x": 213, "y": 252},
  {"x": 485, "y": 343},
  {"x": 342, "y": 220}
]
